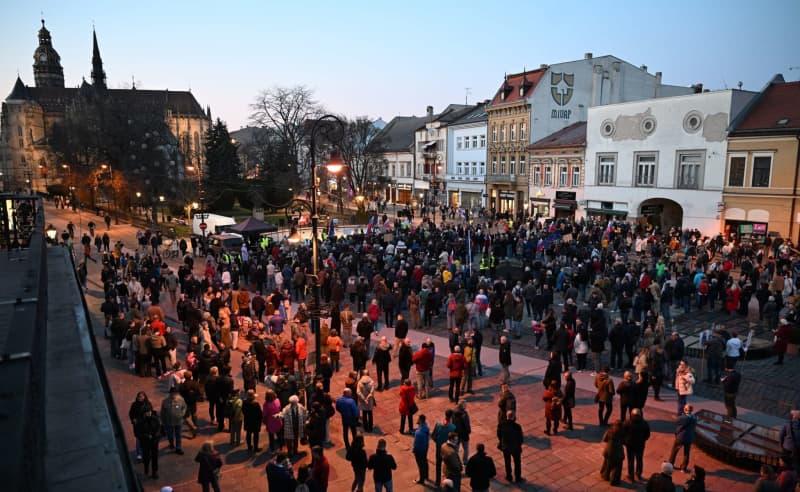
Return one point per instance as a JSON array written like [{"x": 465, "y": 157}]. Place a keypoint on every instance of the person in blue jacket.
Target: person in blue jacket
[
  {"x": 420, "y": 448},
  {"x": 684, "y": 437},
  {"x": 347, "y": 408}
]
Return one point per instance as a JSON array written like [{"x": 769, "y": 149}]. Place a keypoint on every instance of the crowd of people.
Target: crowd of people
[{"x": 608, "y": 289}]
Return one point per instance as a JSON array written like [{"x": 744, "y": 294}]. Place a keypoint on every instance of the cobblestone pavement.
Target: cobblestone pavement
[{"x": 569, "y": 461}]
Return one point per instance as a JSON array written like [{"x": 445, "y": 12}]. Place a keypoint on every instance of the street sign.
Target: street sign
[{"x": 203, "y": 226}]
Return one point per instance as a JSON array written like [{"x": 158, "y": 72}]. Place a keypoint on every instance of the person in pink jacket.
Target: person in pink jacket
[{"x": 272, "y": 419}]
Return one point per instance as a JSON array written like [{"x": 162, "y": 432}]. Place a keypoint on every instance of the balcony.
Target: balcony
[{"x": 501, "y": 178}]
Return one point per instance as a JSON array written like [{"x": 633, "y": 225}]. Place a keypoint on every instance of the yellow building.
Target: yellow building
[
  {"x": 509, "y": 115},
  {"x": 29, "y": 113},
  {"x": 761, "y": 181}
]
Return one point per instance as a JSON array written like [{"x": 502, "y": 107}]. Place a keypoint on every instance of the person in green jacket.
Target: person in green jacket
[{"x": 234, "y": 411}]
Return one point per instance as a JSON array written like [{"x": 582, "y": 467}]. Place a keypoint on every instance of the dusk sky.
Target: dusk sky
[{"x": 381, "y": 59}]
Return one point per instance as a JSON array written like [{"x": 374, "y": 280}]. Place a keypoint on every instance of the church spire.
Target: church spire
[{"x": 98, "y": 74}]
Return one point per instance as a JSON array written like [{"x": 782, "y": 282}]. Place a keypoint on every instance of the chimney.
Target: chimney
[
  {"x": 658, "y": 78},
  {"x": 644, "y": 68},
  {"x": 697, "y": 88},
  {"x": 587, "y": 55},
  {"x": 430, "y": 110}
]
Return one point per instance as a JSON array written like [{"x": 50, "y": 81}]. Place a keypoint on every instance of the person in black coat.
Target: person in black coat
[
  {"x": 598, "y": 335},
  {"x": 553, "y": 372},
  {"x": 617, "y": 338},
  {"x": 480, "y": 469},
  {"x": 561, "y": 344},
  {"x": 569, "y": 398},
  {"x": 511, "y": 444},
  {"x": 251, "y": 412},
  {"x": 404, "y": 359},
  {"x": 258, "y": 348},
  {"x": 148, "y": 431},
  {"x": 636, "y": 431}
]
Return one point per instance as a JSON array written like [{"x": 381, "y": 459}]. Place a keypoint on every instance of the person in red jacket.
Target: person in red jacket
[
  {"x": 301, "y": 352},
  {"x": 374, "y": 314},
  {"x": 320, "y": 469},
  {"x": 456, "y": 364},
  {"x": 552, "y": 408},
  {"x": 423, "y": 361},
  {"x": 407, "y": 406}
]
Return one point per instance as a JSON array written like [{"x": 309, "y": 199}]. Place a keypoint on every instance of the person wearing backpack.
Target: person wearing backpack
[{"x": 233, "y": 410}]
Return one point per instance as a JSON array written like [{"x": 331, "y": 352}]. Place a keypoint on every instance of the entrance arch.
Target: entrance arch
[{"x": 662, "y": 213}]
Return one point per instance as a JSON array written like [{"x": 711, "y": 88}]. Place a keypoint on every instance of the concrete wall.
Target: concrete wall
[{"x": 668, "y": 139}]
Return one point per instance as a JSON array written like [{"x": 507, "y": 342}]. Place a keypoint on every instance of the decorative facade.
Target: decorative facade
[
  {"x": 661, "y": 161},
  {"x": 466, "y": 159},
  {"x": 557, "y": 172},
  {"x": 30, "y": 112}
]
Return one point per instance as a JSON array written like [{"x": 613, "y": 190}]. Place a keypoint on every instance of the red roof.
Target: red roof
[
  {"x": 573, "y": 135},
  {"x": 512, "y": 84},
  {"x": 778, "y": 108}
]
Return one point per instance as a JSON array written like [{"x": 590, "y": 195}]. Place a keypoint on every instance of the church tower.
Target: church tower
[
  {"x": 47, "y": 70},
  {"x": 98, "y": 74}
]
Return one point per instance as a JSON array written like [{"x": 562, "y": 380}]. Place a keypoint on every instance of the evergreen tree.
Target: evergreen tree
[{"x": 222, "y": 159}]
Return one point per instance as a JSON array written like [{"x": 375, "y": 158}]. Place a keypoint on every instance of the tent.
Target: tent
[{"x": 252, "y": 226}]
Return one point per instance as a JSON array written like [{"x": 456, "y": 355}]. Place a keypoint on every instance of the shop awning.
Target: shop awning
[
  {"x": 606, "y": 211},
  {"x": 561, "y": 204}
]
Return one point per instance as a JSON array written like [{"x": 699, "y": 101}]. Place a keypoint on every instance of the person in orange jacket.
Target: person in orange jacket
[{"x": 301, "y": 351}]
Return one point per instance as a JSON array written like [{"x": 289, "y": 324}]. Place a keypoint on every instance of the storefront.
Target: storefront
[
  {"x": 754, "y": 231},
  {"x": 506, "y": 202},
  {"x": 606, "y": 211},
  {"x": 565, "y": 204},
  {"x": 403, "y": 194},
  {"x": 540, "y": 207}
]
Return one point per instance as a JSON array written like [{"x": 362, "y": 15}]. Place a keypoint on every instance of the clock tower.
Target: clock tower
[{"x": 47, "y": 69}]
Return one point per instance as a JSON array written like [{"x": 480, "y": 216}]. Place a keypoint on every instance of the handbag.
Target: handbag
[
  {"x": 414, "y": 409},
  {"x": 125, "y": 344}
]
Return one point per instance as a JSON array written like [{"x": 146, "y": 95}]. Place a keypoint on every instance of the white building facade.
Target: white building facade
[
  {"x": 661, "y": 161},
  {"x": 466, "y": 160}
]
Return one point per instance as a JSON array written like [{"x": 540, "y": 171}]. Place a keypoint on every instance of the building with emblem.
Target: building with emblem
[
  {"x": 760, "y": 195},
  {"x": 531, "y": 105},
  {"x": 661, "y": 161},
  {"x": 466, "y": 159},
  {"x": 30, "y": 112}
]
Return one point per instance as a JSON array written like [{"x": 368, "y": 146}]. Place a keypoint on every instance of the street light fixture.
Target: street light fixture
[{"x": 334, "y": 165}]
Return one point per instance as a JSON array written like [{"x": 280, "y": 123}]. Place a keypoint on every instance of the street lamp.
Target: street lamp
[
  {"x": 161, "y": 201},
  {"x": 334, "y": 165}
]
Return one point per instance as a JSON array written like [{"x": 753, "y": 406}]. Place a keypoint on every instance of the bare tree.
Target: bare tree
[
  {"x": 285, "y": 110},
  {"x": 363, "y": 153}
]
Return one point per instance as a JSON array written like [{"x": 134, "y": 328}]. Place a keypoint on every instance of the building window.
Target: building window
[
  {"x": 562, "y": 176},
  {"x": 494, "y": 133},
  {"x": 736, "y": 165},
  {"x": 483, "y": 141},
  {"x": 513, "y": 132},
  {"x": 494, "y": 166},
  {"x": 458, "y": 143},
  {"x": 522, "y": 131},
  {"x": 474, "y": 141},
  {"x": 645, "y": 169},
  {"x": 576, "y": 176},
  {"x": 690, "y": 167},
  {"x": 483, "y": 169},
  {"x": 474, "y": 168},
  {"x": 512, "y": 166},
  {"x": 522, "y": 164},
  {"x": 537, "y": 176},
  {"x": 606, "y": 169},
  {"x": 548, "y": 176},
  {"x": 762, "y": 168},
  {"x": 503, "y": 133},
  {"x": 503, "y": 165}
]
